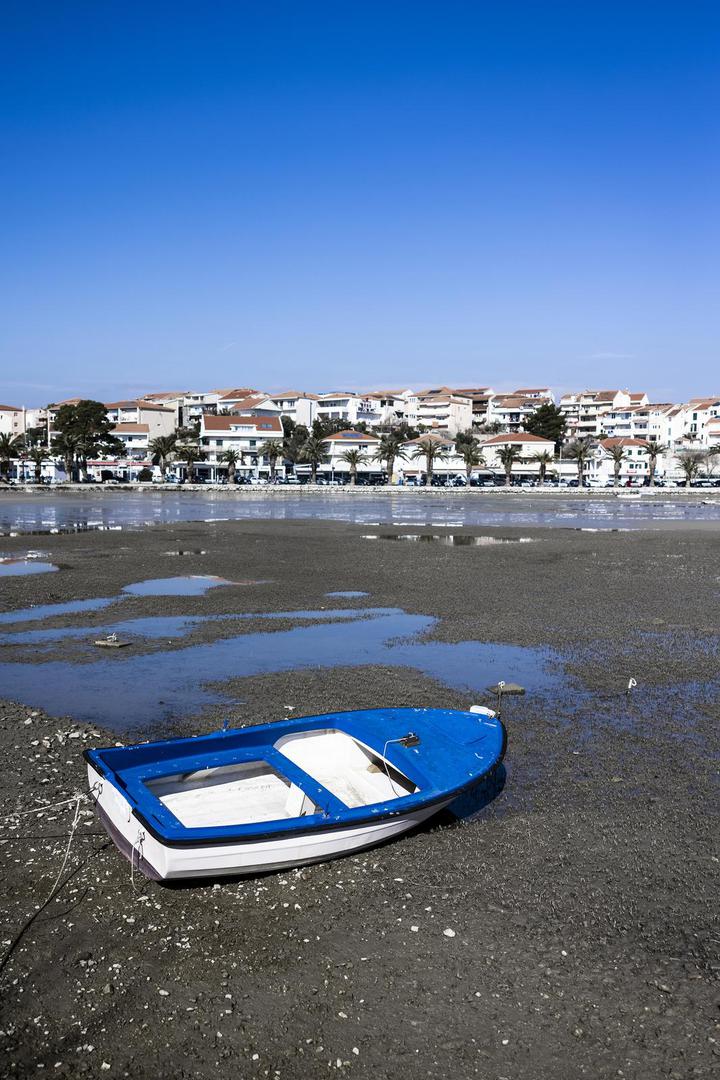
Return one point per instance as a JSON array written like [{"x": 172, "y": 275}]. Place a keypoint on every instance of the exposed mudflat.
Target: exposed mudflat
[{"x": 583, "y": 899}]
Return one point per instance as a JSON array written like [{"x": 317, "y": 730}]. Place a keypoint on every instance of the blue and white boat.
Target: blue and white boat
[{"x": 249, "y": 800}]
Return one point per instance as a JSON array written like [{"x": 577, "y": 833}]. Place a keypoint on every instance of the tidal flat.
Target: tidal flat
[{"x": 582, "y": 897}]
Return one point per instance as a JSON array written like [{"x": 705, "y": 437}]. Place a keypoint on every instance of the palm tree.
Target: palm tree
[
  {"x": 617, "y": 453},
  {"x": 313, "y": 450},
  {"x": 469, "y": 451},
  {"x": 9, "y": 447},
  {"x": 507, "y": 456},
  {"x": 542, "y": 460},
  {"x": 38, "y": 454},
  {"x": 690, "y": 462},
  {"x": 189, "y": 455},
  {"x": 654, "y": 451},
  {"x": 353, "y": 458},
  {"x": 231, "y": 458},
  {"x": 272, "y": 450},
  {"x": 67, "y": 445},
  {"x": 389, "y": 449},
  {"x": 432, "y": 450},
  {"x": 162, "y": 449},
  {"x": 579, "y": 452}
]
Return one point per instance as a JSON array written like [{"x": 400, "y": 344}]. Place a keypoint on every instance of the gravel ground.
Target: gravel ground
[{"x": 582, "y": 900}]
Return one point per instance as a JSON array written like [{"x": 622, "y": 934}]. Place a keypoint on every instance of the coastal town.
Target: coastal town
[{"x": 455, "y": 436}]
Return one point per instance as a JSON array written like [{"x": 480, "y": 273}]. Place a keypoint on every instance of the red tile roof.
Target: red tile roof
[
  {"x": 238, "y": 393},
  {"x": 266, "y": 425},
  {"x": 514, "y": 437},
  {"x": 607, "y": 444},
  {"x": 135, "y": 404},
  {"x": 250, "y": 402},
  {"x": 131, "y": 429}
]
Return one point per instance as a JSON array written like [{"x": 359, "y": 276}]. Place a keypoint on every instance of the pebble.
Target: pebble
[{"x": 449, "y": 932}]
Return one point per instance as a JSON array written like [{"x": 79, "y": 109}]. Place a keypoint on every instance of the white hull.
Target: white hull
[{"x": 158, "y": 860}]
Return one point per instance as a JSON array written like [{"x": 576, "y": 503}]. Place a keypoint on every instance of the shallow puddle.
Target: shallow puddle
[
  {"x": 132, "y": 690},
  {"x": 49, "y": 611},
  {"x": 21, "y": 567},
  {"x": 192, "y": 585}
]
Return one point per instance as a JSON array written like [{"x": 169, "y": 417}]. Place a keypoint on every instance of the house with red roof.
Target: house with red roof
[{"x": 244, "y": 433}]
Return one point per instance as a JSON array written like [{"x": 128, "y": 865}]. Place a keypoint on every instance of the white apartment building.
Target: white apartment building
[
  {"x": 529, "y": 445},
  {"x": 599, "y": 469},
  {"x": 661, "y": 423},
  {"x": 158, "y": 419},
  {"x": 298, "y": 407},
  {"x": 699, "y": 414},
  {"x": 512, "y": 411},
  {"x": 338, "y": 444},
  {"x": 480, "y": 397},
  {"x": 12, "y": 421},
  {"x": 136, "y": 440},
  {"x": 712, "y": 433},
  {"x": 585, "y": 412},
  {"x": 352, "y": 408},
  {"x": 444, "y": 411},
  {"x": 412, "y": 467},
  {"x": 396, "y": 406},
  {"x": 243, "y": 433},
  {"x": 187, "y": 405}
]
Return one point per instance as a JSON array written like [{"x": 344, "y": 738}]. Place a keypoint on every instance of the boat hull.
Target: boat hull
[{"x": 164, "y": 862}]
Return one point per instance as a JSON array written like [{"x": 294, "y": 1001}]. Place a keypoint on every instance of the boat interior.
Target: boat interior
[{"x": 252, "y": 791}]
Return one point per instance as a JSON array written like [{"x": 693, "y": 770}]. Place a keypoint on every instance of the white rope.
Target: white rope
[
  {"x": 138, "y": 843},
  {"x": 95, "y": 789},
  {"x": 73, "y": 827},
  {"x": 42, "y": 809}
]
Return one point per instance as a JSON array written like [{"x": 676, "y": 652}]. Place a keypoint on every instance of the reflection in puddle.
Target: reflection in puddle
[
  {"x": 450, "y": 539},
  {"x": 142, "y": 690},
  {"x": 349, "y": 594},
  {"x": 193, "y": 585},
  {"x": 20, "y": 567}
]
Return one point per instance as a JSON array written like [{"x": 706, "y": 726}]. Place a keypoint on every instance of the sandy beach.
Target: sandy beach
[{"x": 583, "y": 898}]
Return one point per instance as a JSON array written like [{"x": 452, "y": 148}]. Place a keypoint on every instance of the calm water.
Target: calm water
[
  {"x": 48, "y": 512},
  {"x": 22, "y": 567},
  {"x": 141, "y": 690}
]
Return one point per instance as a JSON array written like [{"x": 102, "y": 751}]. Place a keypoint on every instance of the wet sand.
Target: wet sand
[{"x": 584, "y": 897}]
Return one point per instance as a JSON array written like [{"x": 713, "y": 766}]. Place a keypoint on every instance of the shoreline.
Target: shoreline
[{"x": 243, "y": 491}]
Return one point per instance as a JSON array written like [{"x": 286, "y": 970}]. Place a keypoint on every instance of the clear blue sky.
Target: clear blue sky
[{"x": 358, "y": 194}]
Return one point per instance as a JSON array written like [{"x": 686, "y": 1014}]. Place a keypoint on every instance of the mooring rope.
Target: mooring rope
[
  {"x": 77, "y": 799},
  {"x": 137, "y": 845}
]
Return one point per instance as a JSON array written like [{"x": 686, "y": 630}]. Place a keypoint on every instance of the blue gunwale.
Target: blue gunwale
[{"x": 455, "y": 751}]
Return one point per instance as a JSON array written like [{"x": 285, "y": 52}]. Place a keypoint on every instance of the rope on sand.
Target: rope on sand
[{"x": 58, "y": 885}]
